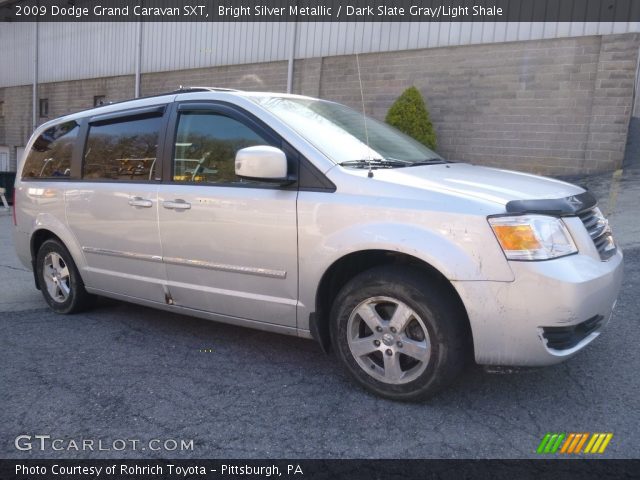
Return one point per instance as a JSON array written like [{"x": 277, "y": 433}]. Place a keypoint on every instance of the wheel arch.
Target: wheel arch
[
  {"x": 348, "y": 266},
  {"x": 37, "y": 239},
  {"x": 44, "y": 233}
]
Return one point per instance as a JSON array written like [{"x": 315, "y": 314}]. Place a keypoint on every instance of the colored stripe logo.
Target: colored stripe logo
[{"x": 574, "y": 443}]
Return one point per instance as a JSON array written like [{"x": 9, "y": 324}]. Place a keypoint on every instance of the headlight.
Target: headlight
[{"x": 532, "y": 237}]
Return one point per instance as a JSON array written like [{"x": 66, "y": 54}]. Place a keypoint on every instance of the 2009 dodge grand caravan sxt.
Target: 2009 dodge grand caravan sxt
[{"x": 297, "y": 215}]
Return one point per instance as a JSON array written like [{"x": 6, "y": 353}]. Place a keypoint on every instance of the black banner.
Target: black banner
[
  {"x": 317, "y": 469},
  {"x": 321, "y": 10}
]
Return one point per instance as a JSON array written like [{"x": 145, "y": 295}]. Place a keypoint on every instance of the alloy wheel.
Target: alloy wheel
[
  {"x": 388, "y": 340},
  {"x": 56, "y": 277}
]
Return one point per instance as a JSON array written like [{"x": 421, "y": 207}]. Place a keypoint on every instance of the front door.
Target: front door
[{"x": 229, "y": 245}]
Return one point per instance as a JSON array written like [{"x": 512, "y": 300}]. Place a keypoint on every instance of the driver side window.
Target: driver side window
[{"x": 206, "y": 146}]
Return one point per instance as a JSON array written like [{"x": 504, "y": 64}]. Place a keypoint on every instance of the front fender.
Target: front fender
[
  {"x": 454, "y": 252},
  {"x": 458, "y": 251}
]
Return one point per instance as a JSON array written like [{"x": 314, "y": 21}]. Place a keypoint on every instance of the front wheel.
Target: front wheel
[
  {"x": 399, "y": 333},
  {"x": 59, "y": 279}
]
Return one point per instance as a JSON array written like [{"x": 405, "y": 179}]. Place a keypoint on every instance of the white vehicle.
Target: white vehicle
[{"x": 297, "y": 215}]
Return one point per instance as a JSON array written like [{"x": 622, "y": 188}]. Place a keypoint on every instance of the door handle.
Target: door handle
[
  {"x": 178, "y": 204},
  {"x": 140, "y": 202}
]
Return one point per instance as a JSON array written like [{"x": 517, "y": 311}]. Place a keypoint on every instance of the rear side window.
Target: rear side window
[
  {"x": 124, "y": 149},
  {"x": 50, "y": 155}
]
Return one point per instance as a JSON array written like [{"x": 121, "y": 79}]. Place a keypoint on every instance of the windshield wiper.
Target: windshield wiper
[
  {"x": 427, "y": 161},
  {"x": 374, "y": 163}
]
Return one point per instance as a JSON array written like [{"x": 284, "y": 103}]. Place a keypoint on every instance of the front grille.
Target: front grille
[
  {"x": 562, "y": 338},
  {"x": 598, "y": 228}
]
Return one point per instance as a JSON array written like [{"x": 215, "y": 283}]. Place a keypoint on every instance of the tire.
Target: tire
[
  {"x": 399, "y": 333},
  {"x": 59, "y": 279}
]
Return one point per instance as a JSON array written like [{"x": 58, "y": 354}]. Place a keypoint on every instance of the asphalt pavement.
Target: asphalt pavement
[{"x": 126, "y": 373}]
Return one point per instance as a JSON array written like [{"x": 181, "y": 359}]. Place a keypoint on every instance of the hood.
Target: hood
[{"x": 489, "y": 184}]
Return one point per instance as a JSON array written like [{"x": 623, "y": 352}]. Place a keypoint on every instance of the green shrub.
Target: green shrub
[{"x": 409, "y": 114}]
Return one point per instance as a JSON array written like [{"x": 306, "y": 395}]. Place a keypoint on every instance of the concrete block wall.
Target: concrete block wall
[
  {"x": 306, "y": 76},
  {"x": 554, "y": 107},
  {"x": 612, "y": 102},
  {"x": 15, "y": 124},
  {"x": 271, "y": 76},
  {"x": 63, "y": 98},
  {"x": 632, "y": 150},
  {"x": 70, "y": 97}
]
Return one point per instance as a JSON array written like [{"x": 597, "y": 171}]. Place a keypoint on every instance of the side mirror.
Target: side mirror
[{"x": 263, "y": 163}]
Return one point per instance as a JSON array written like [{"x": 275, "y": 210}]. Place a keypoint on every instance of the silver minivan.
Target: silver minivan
[{"x": 302, "y": 216}]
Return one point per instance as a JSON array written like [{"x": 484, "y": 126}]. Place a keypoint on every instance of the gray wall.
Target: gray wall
[
  {"x": 632, "y": 152},
  {"x": 72, "y": 51},
  {"x": 558, "y": 106},
  {"x": 15, "y": 124},
  {"x": 554, "y": 107}
]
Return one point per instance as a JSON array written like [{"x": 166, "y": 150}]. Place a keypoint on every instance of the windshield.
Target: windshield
[{"x": 339, "y": 132}]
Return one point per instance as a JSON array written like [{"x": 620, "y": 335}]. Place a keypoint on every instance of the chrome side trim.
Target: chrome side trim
[
  {"x": 262, "y": 272},
  {"x": 235, "y": 294},
  {"x": 118, "y": 253}
]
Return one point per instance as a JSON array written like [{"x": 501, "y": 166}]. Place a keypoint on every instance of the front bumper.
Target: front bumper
[{"x": 513, "y": 323}]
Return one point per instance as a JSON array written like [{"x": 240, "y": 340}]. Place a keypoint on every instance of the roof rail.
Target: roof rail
[{"x": 182, "y": 89}]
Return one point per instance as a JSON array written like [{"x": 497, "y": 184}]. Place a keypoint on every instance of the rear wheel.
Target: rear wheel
[
  {"x": 399, "y": 333},
  {"x": 59, "y": 279}
]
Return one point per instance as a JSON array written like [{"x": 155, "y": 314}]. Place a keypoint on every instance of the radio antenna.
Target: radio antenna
[{"x": 364, "y": 118}]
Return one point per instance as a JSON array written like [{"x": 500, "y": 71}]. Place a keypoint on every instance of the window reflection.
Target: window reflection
[
  {"x": 124, "y": 150},
  {"x": 206, "y": 146},
  {"x": 50, "y": 155}
]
